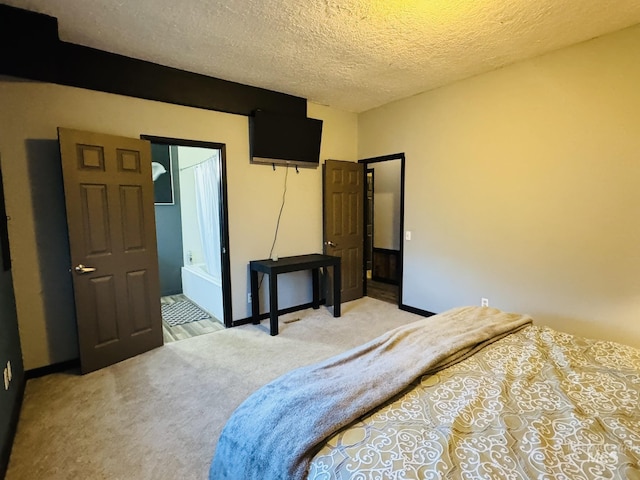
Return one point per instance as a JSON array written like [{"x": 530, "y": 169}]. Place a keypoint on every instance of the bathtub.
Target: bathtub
[{"x": 202, "y": 289}]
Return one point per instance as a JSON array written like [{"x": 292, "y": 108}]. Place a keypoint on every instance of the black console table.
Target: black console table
[{"x": 272, "y": 268}]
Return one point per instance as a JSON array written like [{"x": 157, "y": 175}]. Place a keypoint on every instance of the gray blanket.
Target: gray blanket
[{"x": 277, "y": 430}]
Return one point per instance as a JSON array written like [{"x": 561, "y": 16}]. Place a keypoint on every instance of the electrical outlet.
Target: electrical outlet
[
  {"x": 484, "y": 302},
  {"x": 248, "y": 298}
]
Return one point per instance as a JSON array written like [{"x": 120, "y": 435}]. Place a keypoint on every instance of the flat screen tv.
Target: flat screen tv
[{"x": 284, "y": 140}]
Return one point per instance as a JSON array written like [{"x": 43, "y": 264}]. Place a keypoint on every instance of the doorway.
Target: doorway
[
  {"x": 384, "y": 224},
  {"x": 192, "y": 232}
]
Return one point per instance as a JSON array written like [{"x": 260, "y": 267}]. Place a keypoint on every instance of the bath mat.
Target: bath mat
[{"x": 182, "y": 312}]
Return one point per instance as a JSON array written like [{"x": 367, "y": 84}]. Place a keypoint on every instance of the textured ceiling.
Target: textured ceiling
[{"x": 350, "y": 54}]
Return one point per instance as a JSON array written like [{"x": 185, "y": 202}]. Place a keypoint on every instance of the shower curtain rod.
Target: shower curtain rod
[{"x": 196, "y": 164}]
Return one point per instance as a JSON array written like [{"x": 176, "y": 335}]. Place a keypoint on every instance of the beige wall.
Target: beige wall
[
  {"x": 523, "y": 186},
  {"x": 28, "y": 119}
]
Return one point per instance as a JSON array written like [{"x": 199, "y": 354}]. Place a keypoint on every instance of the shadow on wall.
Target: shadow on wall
[{"x": 52, "y": 248}]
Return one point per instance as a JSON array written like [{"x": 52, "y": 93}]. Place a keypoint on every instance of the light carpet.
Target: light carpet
[{"x": 159, "y": 415}]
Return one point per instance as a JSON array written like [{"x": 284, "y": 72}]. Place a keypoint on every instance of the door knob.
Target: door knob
[
  {"x": 81, "y": 269},
  {"x": 331, "y": 244}
]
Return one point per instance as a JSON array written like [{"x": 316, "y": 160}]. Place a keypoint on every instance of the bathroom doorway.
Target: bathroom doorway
[{"x": 192, "y": 236}]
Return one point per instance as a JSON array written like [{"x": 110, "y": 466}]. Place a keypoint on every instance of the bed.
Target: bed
[{"x": 471, "y": 393}]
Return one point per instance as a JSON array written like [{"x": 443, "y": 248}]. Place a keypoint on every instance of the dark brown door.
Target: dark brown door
[
  {"x": 111, "y": 221},
  {"x": 343, "y": 222}
]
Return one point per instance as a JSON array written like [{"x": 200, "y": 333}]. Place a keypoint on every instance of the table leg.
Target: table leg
[
  {"x": 255, "y": 298},
  {"x": 315, "y": 280},
  {"x": 337, "y": 287},
  {"x": 273, "y": 303}
]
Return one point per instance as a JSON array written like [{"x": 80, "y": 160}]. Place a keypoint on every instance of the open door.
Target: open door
[
  {"x": 109, "y": 200},
  {"x": 343, "y": 196}
]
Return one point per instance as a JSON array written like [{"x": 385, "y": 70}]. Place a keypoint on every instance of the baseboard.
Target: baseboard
[
  {"x": 7, "y": 443},
  {"x": 304, "y": 306},
  {"x": 49, "y": 369},
  {"x": 417, "y": 311}
]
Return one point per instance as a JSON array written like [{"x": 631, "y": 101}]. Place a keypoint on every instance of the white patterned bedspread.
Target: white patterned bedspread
[{"x": 536, "y": 404}]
